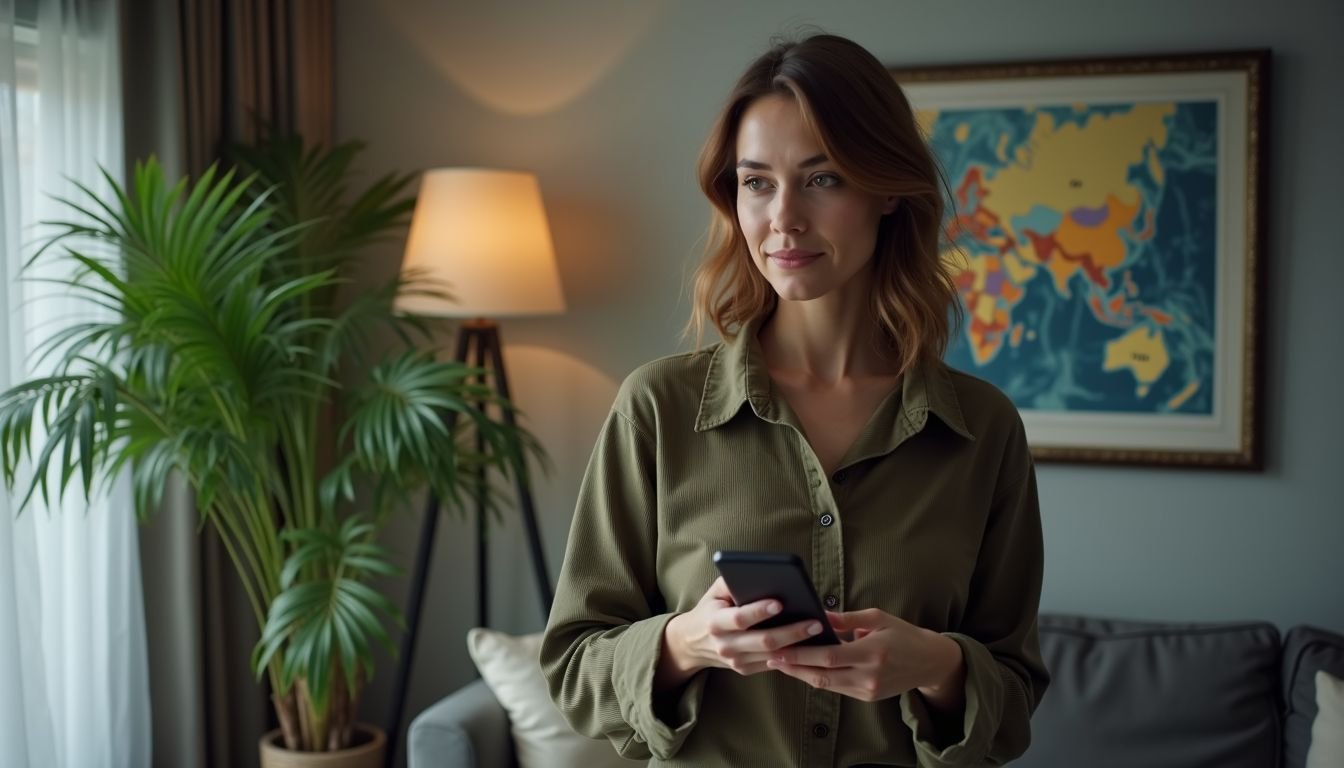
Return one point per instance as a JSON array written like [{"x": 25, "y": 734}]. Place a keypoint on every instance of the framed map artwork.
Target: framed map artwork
[{"x": 1106, "y": 233}]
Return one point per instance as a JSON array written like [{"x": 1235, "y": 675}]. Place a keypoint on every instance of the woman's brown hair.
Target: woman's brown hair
[{"x": 864, "y": 123}]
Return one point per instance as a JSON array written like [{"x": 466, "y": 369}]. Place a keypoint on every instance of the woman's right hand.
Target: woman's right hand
[{"x": 717, "y": 633}]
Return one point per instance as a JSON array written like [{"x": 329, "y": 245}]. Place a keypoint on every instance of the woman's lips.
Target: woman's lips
[{"x": 793, "y": 258}]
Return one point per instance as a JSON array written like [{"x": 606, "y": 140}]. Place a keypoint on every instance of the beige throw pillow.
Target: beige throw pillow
[
  {"x": 511, "y": 667},
  {"x": 1327, "y": 730}
]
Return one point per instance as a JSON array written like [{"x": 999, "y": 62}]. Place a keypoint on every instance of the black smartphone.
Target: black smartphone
[{"x": 753, "y": 576}]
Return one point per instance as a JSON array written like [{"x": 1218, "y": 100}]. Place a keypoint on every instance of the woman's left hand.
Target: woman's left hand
[{"x": 886, "y": 657}]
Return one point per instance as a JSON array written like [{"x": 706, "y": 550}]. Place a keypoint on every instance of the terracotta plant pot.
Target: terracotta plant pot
[{"x": 370, "y": 743}]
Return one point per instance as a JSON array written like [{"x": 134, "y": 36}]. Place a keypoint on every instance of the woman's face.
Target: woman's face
[{"x": 810, "y": 231}]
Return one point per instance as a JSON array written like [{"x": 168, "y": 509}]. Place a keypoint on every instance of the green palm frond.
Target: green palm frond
[
  {"x": 76, "y": 414},
  {"x": 310, "y": 185},
  {"x": 398, "y": 430},
  {"x": 329, "y": 613},
  {"x": 354, "y": 330}
]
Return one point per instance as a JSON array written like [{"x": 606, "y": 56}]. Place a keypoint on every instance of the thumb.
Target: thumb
[{"x": 719, "y": 591}]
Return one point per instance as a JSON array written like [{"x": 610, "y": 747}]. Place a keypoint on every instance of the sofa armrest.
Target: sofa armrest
[{"x": 467, "y": 728}]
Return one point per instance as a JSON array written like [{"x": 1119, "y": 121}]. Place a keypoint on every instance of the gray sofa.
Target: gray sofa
[{"x": 1122, "y": 694}]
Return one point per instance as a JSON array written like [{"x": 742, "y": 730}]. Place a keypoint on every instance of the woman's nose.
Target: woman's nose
[{"x": 787, "y": 213}]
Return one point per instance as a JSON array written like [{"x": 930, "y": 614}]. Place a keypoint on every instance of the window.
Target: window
[
  {"x": 26, "y": 102},
  {"x": 76, "y": 691}
]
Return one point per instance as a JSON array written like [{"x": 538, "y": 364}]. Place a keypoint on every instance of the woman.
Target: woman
[{"x": 824, "y": 425}]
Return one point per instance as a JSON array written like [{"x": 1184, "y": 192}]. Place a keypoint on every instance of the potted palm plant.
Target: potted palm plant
[{"x": 223, "y": 364}]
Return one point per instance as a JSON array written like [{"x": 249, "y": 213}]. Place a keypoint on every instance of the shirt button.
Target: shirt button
[
  {"x": 820, "y": 730},
  {"x": 826, "y": 520},
  {"x": 831, "y": 601}
]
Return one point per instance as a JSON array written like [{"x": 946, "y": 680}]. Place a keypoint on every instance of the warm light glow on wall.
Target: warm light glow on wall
[{"x": 525, "y": 69}]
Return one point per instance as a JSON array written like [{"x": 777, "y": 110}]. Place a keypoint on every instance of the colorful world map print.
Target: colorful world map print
[{"x": 1085, "y": 246}]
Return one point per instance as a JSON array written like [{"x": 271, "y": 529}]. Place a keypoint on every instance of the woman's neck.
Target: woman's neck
[{"x": 828, "y": 340}]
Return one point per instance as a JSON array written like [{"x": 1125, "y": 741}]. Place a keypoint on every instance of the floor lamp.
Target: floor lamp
[{"x": 483, "y": 235}]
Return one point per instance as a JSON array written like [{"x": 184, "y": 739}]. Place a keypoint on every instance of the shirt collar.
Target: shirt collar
[{"x": 737, "y": 375}]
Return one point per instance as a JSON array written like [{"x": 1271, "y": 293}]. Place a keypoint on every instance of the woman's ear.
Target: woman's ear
[{"x": 893, "y": 202}]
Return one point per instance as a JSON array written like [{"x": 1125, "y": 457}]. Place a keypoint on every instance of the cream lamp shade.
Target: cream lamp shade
[{"x": 481, "y": 234}]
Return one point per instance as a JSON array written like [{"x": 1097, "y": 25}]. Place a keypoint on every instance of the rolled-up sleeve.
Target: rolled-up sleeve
[
  {"x": 604, "y": 638},
  {"x": 1005, "y": 677}
]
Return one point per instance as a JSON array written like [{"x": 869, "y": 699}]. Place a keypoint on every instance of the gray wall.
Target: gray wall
[{"x": 608, "y": 101}]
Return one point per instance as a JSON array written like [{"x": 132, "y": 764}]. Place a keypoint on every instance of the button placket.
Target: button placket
[
  {"x": 821, "y": 710},
  {"x": 822, "y": 713}
]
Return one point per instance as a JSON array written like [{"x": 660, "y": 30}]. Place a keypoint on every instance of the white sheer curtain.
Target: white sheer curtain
[{"x": 74, "y": 687}]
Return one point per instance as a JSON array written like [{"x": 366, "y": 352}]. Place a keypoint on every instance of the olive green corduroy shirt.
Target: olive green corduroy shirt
[{"x": 932, "y": 516}]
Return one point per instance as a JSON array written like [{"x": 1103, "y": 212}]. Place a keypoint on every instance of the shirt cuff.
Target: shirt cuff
[
  {"x": 634, "y": 663},
  {"x": 979, "y": 722}
]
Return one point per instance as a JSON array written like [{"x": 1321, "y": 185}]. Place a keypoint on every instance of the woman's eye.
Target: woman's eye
[
  {"x": 826, "y": 180},
  {"x": 754, "y": 183}
]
